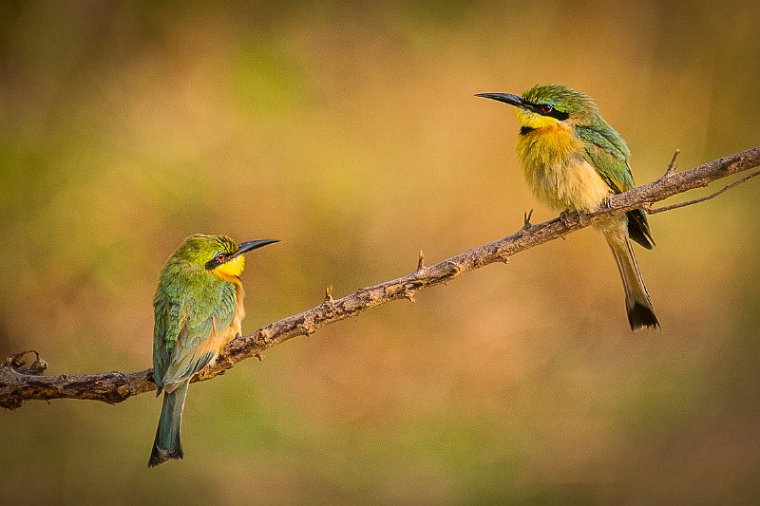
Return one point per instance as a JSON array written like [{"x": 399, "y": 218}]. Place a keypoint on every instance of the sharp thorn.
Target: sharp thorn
[{"x": 421, "y": 261}]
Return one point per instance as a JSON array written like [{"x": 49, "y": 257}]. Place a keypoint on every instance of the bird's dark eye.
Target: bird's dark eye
[
  {"x": 219, "y": 258},
  {"x": 545, "y": 108}
]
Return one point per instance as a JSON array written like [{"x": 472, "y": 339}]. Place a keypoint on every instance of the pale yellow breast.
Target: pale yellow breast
[
  {"x": 556, "y": 171},
  {"x": 219, "y": 338}
]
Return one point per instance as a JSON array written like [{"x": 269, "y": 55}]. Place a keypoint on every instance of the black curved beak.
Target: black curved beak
[
  {"x": 507, "y": 98},
  {"x": 245, "y": 247}
]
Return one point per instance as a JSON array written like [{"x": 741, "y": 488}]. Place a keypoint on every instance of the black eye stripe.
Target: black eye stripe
[
  {"x": 553, "y": 113},
  {"x": 216, "y": 261},
  {"x": 558, "y": 115}
]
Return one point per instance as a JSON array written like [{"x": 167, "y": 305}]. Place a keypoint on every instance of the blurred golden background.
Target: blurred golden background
[{"x": 350, "y": 131}]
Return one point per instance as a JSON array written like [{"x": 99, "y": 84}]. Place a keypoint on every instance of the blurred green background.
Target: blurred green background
[{"x": 350, "y": 131}]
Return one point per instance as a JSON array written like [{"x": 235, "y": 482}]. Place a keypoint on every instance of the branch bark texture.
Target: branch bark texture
[{"x": 19, "y": 384}]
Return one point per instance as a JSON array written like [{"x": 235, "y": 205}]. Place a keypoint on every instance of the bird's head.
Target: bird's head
[
  {"x": 218, "y": 254},
  {"x": 549, "y": 105}
]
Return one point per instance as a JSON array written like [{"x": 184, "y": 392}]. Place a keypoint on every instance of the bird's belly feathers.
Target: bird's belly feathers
[{"x": 557, "y": 172}]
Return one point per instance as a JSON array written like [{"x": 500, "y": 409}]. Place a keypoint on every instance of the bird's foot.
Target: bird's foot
[{"x": 567, "y": 217}]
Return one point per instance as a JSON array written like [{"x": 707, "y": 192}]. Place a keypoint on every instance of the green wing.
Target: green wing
[
  {"x": 608, "y": 154},
  {"x": 183, "y": 322},
  {"x": 169, "y": 320}
]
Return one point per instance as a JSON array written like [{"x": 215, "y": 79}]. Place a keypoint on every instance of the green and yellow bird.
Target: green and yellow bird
[
  {"x": 198, "y": 309},
  {"x": 573, "y": 160}
]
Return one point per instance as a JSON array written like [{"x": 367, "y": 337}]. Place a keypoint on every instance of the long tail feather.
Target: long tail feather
[
  {"x": 638, "y": 305},
  {"x": 167, "y": 444}
]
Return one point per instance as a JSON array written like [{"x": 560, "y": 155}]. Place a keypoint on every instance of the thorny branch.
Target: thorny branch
[
  {"x": 706, "y": 197},
  {"x": 19, "y": 383}
]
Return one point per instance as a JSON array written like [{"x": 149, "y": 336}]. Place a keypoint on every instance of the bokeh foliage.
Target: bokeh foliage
[{"x": 349, "y": 131}]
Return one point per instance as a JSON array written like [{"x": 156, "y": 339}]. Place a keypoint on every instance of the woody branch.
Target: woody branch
[{"x": 19, "y": 382}]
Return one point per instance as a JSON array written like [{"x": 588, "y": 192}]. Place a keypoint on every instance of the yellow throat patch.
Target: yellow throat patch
[
  {"x": 533, "y": 120},
  {"x": 231, "y": 270}
]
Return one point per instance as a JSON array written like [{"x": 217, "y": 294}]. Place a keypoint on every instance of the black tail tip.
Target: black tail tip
[
  {"x": 160, "y": 455},
  {"x": 641, "y": 317}
]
